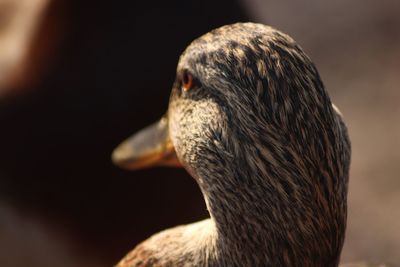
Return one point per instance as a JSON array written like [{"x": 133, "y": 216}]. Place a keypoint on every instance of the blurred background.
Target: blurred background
[{"x": 77, "y": 77}]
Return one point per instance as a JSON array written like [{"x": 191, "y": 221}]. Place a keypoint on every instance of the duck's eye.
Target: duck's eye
[{"x": 187, "y": 80}]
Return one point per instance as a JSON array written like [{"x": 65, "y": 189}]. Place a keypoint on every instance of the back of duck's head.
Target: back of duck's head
[
  {"x": 256, "y": 128},
  {"x": 254, "y": 86}
]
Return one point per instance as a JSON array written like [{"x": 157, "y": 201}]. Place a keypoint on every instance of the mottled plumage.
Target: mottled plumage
[{"x": 259, "y": 134}]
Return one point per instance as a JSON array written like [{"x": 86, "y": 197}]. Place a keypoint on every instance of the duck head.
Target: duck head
[{"x": 250, "y": 120}]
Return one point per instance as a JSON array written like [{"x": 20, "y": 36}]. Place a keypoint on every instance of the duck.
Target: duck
[{"x": 250, "y": 120}]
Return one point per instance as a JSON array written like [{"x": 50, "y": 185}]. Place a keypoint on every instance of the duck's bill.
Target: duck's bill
[{"x": 147, "y": 148}]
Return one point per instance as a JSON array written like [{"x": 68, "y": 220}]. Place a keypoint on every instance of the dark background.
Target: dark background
[
  {"x": 110, "y": 74},
  {"x": 100, "y": 70}
]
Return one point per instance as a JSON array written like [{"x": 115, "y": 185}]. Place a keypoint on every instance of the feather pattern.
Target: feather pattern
[{"x": 270, "y": 153}]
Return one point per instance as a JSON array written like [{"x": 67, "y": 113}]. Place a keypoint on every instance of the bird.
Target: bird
[{"x": 250, "y": 120}]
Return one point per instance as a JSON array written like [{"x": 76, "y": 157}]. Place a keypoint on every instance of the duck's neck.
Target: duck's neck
[{"x": 270, "y": 216}]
